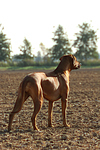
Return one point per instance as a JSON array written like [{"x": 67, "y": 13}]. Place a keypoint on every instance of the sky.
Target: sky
[{"x": 36, "y": 20}]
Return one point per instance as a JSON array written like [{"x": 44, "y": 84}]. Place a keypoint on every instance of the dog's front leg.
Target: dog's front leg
[
  {"x": 50, "y": 114},
  {"x": 64, "y": 105}
]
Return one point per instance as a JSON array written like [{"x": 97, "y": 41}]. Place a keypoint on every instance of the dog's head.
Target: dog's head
[{"x": 71, "y": 61}]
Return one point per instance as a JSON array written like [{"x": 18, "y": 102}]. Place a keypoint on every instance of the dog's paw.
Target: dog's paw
[
  {"x": 36, "y": 128},
  {"x": 67, "y": 125},
  {"x": 9, "y": 129},
  {"x": 50, "y": 125}
]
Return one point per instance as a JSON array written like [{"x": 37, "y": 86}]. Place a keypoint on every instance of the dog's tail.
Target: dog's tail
[{"x": 22, "y": 95}]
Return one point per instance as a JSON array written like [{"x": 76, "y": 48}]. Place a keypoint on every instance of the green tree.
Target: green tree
[
  {"x": 62, "y": 44},
  {"x": 5, "y": 46},
  {"x": 85, "y": 43},
  {"x": 44, "y": 50},
  {"x": 26, "y": 50},
  {"x": 46, "y": 58}
]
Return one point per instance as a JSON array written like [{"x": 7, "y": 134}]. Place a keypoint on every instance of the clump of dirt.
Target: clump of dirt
[{"x": 83, "y": 114}]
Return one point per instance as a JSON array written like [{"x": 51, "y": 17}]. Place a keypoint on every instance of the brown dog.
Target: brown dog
[{"x": 51, "y": 86}]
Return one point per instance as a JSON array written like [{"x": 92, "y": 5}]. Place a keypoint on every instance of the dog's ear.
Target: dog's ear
[
  {"x": 61, "y": 58},
  {"x": 68, "y": 56},
  {"x": 74, "y": 59},
  {"x": 64, "y": 56}
]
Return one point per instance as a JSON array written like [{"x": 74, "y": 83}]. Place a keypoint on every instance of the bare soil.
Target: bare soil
[{"x": 83, "y": 114}]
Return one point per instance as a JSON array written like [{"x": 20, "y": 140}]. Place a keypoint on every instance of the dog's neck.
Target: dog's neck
[{"x": 62, "y": 68}]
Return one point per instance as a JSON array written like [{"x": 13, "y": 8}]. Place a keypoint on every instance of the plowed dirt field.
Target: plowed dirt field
[{"x": 83, "y": 114}]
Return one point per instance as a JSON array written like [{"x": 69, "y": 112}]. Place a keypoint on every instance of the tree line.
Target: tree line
[{"x": 85, "y": 46}]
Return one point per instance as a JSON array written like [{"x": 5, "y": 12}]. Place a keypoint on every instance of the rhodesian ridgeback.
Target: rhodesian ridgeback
[{"x": 51, "y": 86}]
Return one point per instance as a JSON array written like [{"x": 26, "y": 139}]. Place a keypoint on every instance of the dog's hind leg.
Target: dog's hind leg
[
  {"x": 38, "y": 101},
  {"x": 37, "y": 107},
  {"x": 17, "y": 107}
]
